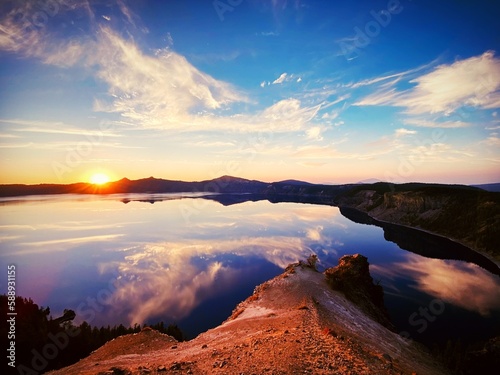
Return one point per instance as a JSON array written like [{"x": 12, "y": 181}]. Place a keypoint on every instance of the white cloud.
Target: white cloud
[
  {"x": 435, "y": 124},
  {"x": 264, "y": 83},
  {"x": 314, "y": 133},
  {"x": 395, "y": 78},
  {"x": 269, "y": 33},
  {"x": 402, "y": 132},
  {"x": 330, "y": 116},
  {"x": 161, "y": 91},
  {"x": 157, "y": 91},
  {"x": 33, "y": 126},
  {"x": 492, "y": 140},
  {"x": 280, "y": 79},
  {"x": 299, "y": 79},
  {"x": 471, "y": 82},
  {"x": 286, "y": 114}
]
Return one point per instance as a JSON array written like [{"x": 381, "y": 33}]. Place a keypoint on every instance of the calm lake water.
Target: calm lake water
[{"x": 187, "y": 260}]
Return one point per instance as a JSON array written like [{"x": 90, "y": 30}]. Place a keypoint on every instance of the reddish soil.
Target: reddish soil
[{"x": 293, "y": 324}]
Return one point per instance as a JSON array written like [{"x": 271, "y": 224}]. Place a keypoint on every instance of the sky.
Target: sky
[{"x": 321, "y": 91}]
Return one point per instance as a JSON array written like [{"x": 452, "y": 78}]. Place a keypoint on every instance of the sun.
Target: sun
[{"x": 99, "y": 179}]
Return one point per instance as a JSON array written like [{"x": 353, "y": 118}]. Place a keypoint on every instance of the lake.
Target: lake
[{"x": 180, "y": 258}]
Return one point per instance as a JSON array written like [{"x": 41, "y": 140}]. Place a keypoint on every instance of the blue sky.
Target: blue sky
[{"x": 321, "y": 91}]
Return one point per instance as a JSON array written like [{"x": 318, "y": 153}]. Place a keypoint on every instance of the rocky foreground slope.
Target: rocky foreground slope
[{"x": 293, "y": 324}]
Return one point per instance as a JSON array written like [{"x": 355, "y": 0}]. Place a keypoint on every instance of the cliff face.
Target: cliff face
[
  {"x": 294, "y": 323},
  {"x": 469, "y": 216}
]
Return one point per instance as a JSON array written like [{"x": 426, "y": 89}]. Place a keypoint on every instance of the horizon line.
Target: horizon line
[{"x": 365, "y": 181}]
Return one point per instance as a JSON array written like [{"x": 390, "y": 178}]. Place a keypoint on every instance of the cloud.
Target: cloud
[
  {"x": 280, "y": 79},
  {"x": 157, "y": 91},
  {"x": 492, "y": 140},
  {"x": 435, "y": 124},
  {"x": 31, "y": 39},
  {"x": 402, "y": 132},
  {"x": 264, "y": 83},
  {"x": 131, "y": 16},
  {"x": 161, "y": 90},
  {"x": 471, "y": 82},
  {"x": 314, "y": 133},
  {"x": 269, "y": 33},
  {"x": 395, "y": 78},
  {"x": 56, "y": 127}
]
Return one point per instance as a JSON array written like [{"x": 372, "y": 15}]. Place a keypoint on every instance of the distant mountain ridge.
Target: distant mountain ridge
[
  {"x": 221, "y": 185},
  {"x": 489, "y": 187}
]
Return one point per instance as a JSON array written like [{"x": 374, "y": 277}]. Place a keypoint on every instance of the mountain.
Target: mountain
[
  {"x": 489, "y": 187},
  {"x": 224, "y": 184},
  {"x": 294, "y": 182},
  {"x": 220, "y": 185}
]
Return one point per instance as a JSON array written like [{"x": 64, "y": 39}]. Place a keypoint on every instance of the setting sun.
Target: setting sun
[{"x": 99, "y": 179}]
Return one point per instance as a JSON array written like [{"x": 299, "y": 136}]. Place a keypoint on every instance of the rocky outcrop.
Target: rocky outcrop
[
  {"x": 352, "y": 277},
  {"x": 467, "y": 215},
  {"x": 294, "y": 323}
]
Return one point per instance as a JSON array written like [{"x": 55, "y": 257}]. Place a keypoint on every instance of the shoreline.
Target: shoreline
[{"x": 491, "y": 258}]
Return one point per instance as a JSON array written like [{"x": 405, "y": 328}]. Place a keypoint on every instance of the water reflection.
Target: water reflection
[
  {"x": 164, "y": 267},
  {"x": 462, "y": 284}
]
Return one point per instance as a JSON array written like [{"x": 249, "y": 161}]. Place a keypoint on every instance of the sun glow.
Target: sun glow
[{"x": 99, "y": 179}]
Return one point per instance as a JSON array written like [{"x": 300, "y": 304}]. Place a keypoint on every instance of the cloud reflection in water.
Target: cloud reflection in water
[
  {"x": 462, "y": 284},
  {"x": 165, "y": 277}
]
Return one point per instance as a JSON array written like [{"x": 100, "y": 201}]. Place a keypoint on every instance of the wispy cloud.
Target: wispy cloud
[
  {"x": 435, "y": 124},
  {"x": 391, "y": 79},
  {"x": 33, "y": 126},
  {"x": 492, "y": 140},
  {"x": 403, "y": 132},
  {"x": 268, "y": 33},
  {"x": 471, "y": 82},
  {"x": 159, "y": 91}
]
